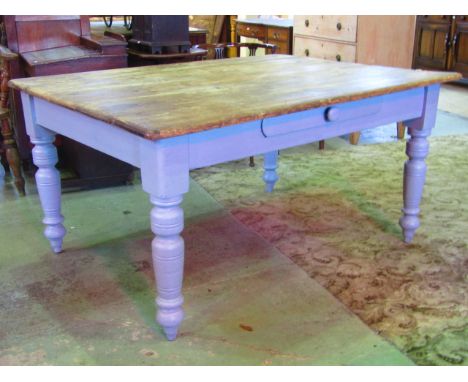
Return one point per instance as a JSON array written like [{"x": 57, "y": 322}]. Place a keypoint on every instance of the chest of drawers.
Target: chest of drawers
[
  {"x": 379, "y": 40},
  {"x": 373, "y": 40}
]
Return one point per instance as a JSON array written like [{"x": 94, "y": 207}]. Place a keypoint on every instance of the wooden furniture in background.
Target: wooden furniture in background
[
  {"x": 7, "y": 142},
  {"x": 278, "y": 32},
  {"x": 155, "y": 34},
  {"x": 215, "y": 27},
  {"x": 165, "y": 133},
  {"x": 197, "y": 35},
  {"x": 373, "y": 40},
  {"x": 56, "y": 45},
  {"x": 221, "y": 49},
  {"x": 441, "y": 43},
  {"x": 136, "y": 58}
]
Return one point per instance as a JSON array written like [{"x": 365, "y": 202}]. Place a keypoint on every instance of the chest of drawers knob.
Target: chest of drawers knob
[
  {"x": 338, "y": 26},
  {"x": 338, "y": 57},
  {"x": 331, "y": 114},
  {"x": 306, "y": 22},
  {"x": 306, "y": 52}
]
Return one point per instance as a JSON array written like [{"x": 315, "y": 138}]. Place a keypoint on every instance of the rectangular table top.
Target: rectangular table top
[{"x": 170, "y": 100}]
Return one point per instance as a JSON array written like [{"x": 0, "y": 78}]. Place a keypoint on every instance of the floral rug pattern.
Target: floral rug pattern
[{"x": 335, "y": 214}]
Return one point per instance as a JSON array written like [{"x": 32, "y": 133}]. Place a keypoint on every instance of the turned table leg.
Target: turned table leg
[
  {"x": 48, "y": 185},
  {"x": 401, "y": 130},
  {"x": 12, "y": 156},
  {"x": 165, "y": 177},
  {"x": 417, "y": 149},
  {"x": 9, "y": 143},
  {"x": 167, "y": 222},
  {"x": 354, "y": 137},
  {"x": 270, "y": 164}
]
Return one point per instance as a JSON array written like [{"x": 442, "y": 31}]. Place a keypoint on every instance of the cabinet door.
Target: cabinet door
[
  {"x": 460, "y": 46},
  {"x": 431, "y": 42}
]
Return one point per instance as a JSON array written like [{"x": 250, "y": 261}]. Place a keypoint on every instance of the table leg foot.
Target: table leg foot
[
  {"x": 270, "y": 164},
  {"x": 49, "y": 188},
  {"x": 167, "y": 222}
]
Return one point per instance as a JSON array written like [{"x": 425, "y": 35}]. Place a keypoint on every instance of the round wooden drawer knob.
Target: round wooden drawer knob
[
  {"x": 306, "y": 23},
  {"x": 338, "y": 26},
  {"x": 306, "y": 52},
  {"x": 338, "y": 57},
  {"x": 332, "y": 114}
]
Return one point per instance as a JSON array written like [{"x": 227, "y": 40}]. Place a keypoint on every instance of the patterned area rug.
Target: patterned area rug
[{"x": 335, "y": 214}]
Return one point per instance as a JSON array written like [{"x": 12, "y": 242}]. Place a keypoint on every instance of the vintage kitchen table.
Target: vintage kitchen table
[{"x": 170, "y": 119}]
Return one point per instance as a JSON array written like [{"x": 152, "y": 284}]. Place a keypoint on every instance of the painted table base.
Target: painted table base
[{"x": 165, "y": 165}]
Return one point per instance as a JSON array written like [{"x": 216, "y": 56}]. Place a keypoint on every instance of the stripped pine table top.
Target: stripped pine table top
[{"x": 169, "y": 100}]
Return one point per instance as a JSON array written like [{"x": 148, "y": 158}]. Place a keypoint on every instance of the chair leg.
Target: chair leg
[
  {"x": 251, "y": 162},
  {"x": 354, "y": 138},
  {"x": 401, "y": 130},
  {"x": 13, "y": 159}
]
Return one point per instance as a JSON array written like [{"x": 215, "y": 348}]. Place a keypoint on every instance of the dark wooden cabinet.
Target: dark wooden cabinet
[
  {"x": 460, "y": 45},
  {"x": 441, "y": 43},
  {"x": 48, "y": 45}
]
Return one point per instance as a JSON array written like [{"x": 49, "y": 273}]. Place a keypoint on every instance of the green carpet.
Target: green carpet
[{"x": 335, "y": 214}]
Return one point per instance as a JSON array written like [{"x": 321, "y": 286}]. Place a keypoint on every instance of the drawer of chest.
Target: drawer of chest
[
  {"x": 326, "y": 50},
  {"x": 277, "y": 34},
  {"x": 253, "y": 31},
  {"x": 342, "y": 28}
]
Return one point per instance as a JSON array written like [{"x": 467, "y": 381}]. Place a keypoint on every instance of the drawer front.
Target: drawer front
[
  {"x": 326, "y": 50},
  {"x": 342, "y": 28},
  {"x": 278, "y": 34},
  {"x": 321, "y": 116},
  {"x": 282, "y": 47},
  {"x": 253, "y": 31},
  {"x": 342, "y": 118}
]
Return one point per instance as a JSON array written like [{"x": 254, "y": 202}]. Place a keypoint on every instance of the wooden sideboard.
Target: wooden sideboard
[
  {"x": 271, "y": 31},
  {"x": 373, "y": 40},
  {"x": 441, "y": 43}
]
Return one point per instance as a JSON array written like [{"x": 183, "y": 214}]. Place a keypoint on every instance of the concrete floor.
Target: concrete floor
[{"x": 245, "y": 302}]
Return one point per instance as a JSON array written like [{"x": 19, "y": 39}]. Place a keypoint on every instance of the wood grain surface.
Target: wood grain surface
[{"x": 170, "y": 100}]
